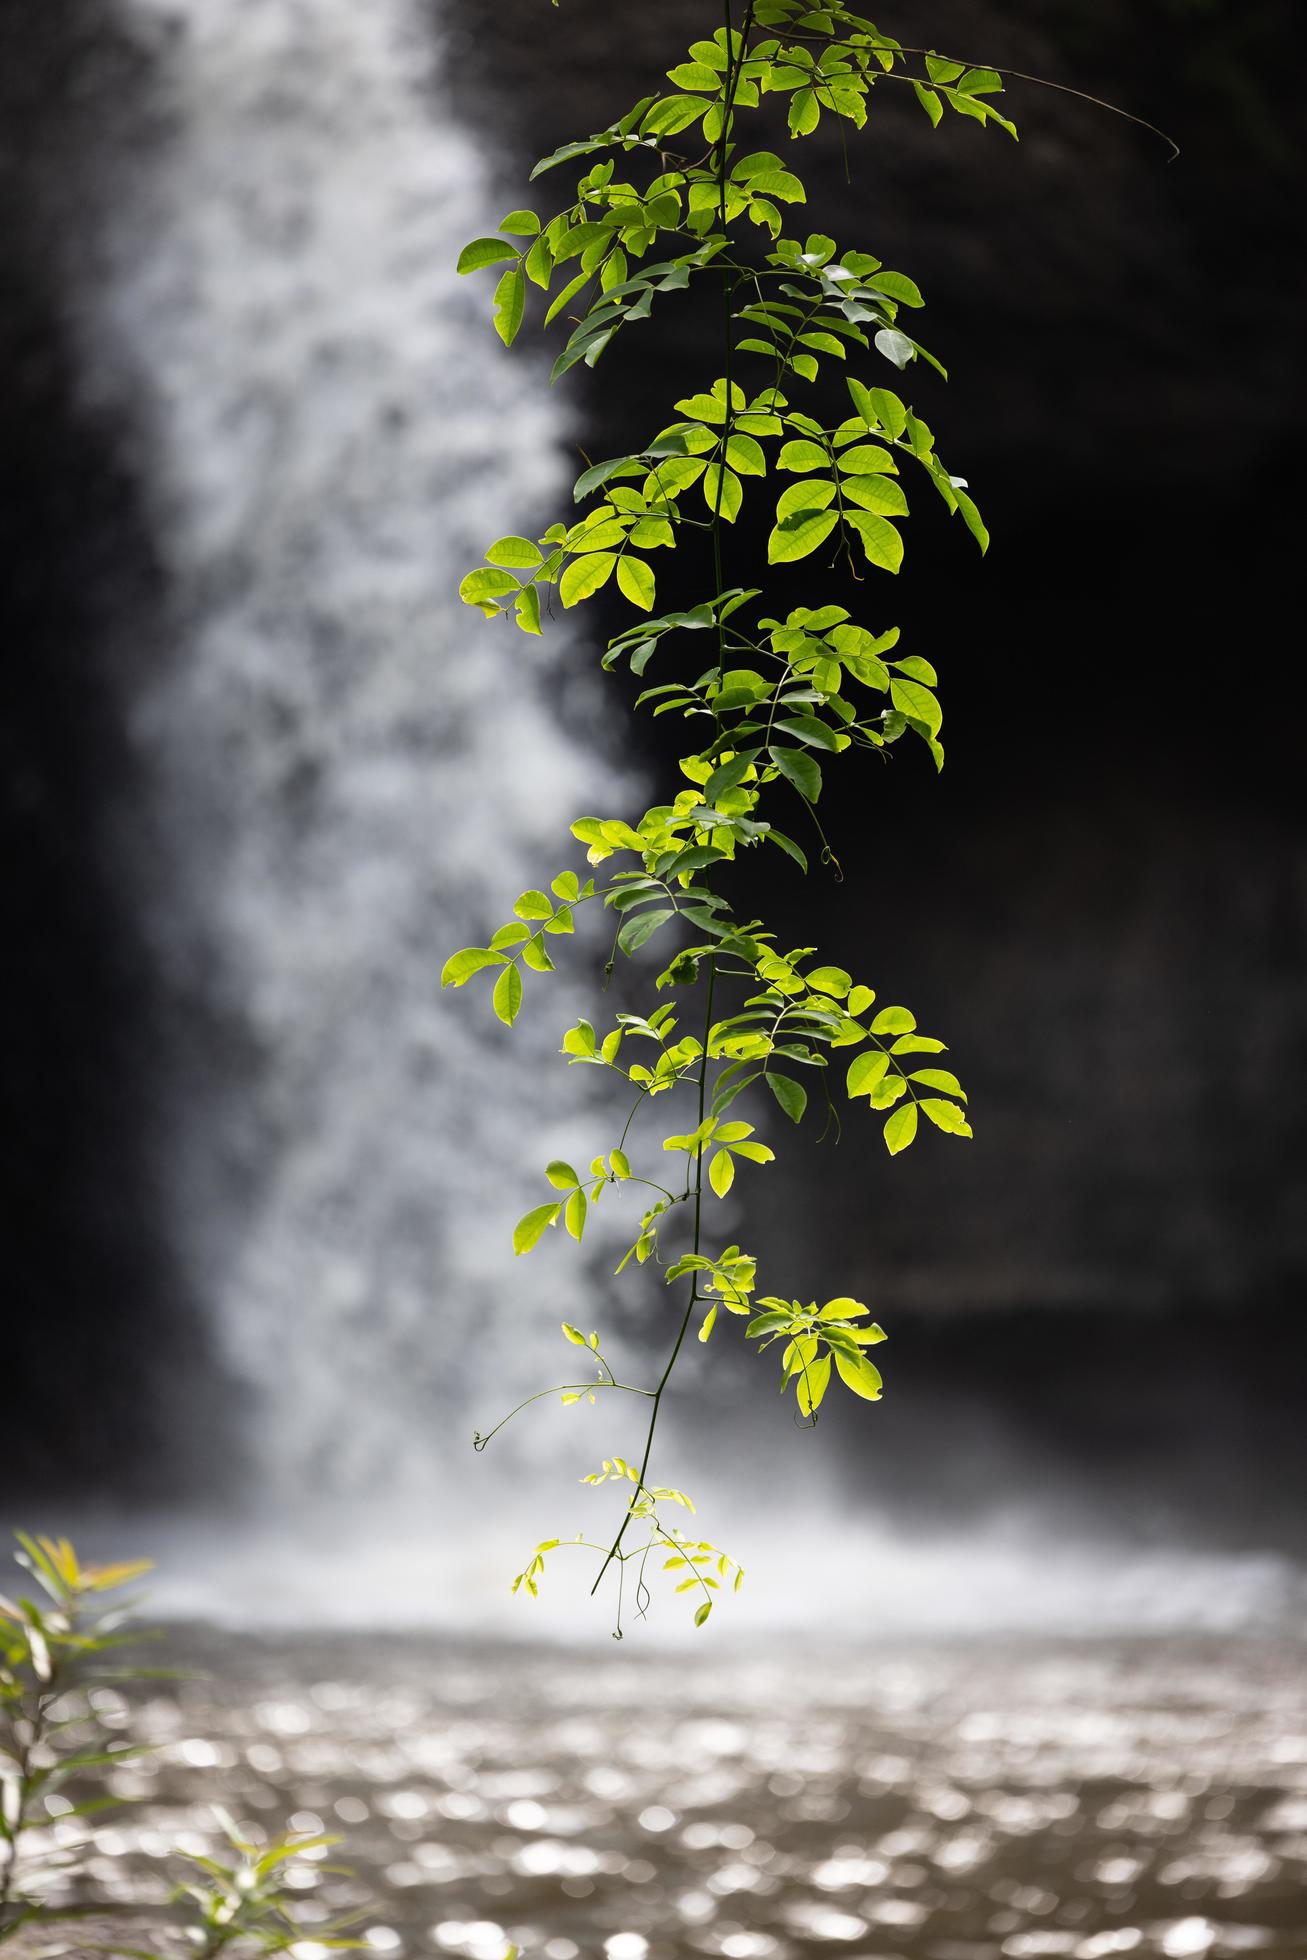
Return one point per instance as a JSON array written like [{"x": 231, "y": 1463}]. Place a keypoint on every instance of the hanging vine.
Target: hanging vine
[{"x": 672, "y": 196}]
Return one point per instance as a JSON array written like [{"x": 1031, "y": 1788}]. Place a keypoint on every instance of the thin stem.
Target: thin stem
[
  {"x": 1013, "y": 74},
  {"x": 728, "y": 290},
  {"x": 691, "y": 1303},
  {"x": 479, "y": 1441}
]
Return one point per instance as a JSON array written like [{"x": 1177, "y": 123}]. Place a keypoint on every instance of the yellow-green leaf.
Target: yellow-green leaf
[
  {"x": 636, "y": 581},
  {"x": 900, "y": 1128},
  {"x": 574, "y": 1215},
  {"x": 510, "y": 302},
  {"x": 528, "y": 1230},
  {"x": 507, "y": 996},
  {"x": 584, "y": 576},
  {"x": 860, "y": 1376}
]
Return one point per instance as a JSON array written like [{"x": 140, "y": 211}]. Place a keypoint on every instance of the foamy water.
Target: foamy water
[{"x": 352, "y": 773}]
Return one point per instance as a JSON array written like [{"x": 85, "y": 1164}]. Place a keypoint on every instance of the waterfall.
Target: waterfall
[{"x": 353, "y": 773}]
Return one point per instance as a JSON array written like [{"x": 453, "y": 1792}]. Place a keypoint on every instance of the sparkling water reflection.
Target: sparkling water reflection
[{"x": 992, "y": 1801}]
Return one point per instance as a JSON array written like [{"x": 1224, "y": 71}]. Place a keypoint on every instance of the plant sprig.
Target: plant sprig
[{"x": 671, "y": 193}]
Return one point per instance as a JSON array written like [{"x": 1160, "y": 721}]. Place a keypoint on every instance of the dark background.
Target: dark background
[{"x": 1102, "y": 903}]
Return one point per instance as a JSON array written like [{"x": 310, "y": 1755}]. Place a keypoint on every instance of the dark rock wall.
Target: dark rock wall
[{"x": 102, "y": 1363}]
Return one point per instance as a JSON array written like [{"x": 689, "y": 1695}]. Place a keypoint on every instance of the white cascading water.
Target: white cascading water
[{"x": 355, "y": 774}]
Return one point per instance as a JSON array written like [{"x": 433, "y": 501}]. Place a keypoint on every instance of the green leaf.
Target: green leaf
[
  {"x": 880, "y": 494},
  {"x": 981, "y": 81},
  {"x": 702, "y": 1614},
  {"x": 946, "y": 1116},
  {"x": 518, "y": 552},
  {"x": 721, "y": 1172},
  {"x": 894, "y": 1020},
  {"x": 860, "y": 1376},
  {"x": 832, "y": 980},
  {"x": 800, "y": 770},
  {"x": 895, "y": 346},
  {"x": 866, "y": 1071},
  {"x": 972, "y": 519},
  {"x": 727, "y": 775},
  {"x": 940, "y": 1078},
  {"x": 879, "y": 408},
  {"x": 539, "y": 263},
  {"x": 917, "y": 702},
  {"x": 460, "y": 967},
  {"x": 483, "y": 586},
  {"x": 510, "y": 302},
  {"x": 695, "y": 74},
  {"x": 803, "y": 455},
  {"x": 943, "y": 71},
  {"x": 599, "y": 474},
  {"x": 673, "y": 114},
  {"x": 867, "y": 459},
  {"x": 813, "y": 494},
  {"x": 560, "y": 300},
  {"x": 561, "y": 1175},
  {"x": 635, "y": 580},
  {"x": 898, "y": 286},
  {"x": 534, "y": 905},
  {"x": 800, "y": 535},
  {"x": 917, "y": 669},
  {"x": 528, "y": 1230},
  {"x": 507, "y": 996},
  {"x": 900, "y": 1128},
  {"x": 807, "y": 728},
  {"x": 484, "y": 251},
  {"x": 791, "y": 1095},
  {"x": 880, "y": 541},
  {"x": 804, "y": 112},
  {"x": 790, "y": 848},
  {"x": 574, "y": 1214},
  {"x": 746, "y": 455},
  {"x": 811, "y": 1384},
  {"x": 722, "y": 490},
  {"x": 780, "y": 184},
  {"x": 930, "y": 102},
  {"x": 523, "y": 224},
  {"x": 527, "y": 607},
  {"x": 585, "y": 575},
  {"x": 636, "y": 930}
]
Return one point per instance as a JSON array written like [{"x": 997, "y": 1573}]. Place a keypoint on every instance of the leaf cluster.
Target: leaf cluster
[{"x": 673, "y": 194}]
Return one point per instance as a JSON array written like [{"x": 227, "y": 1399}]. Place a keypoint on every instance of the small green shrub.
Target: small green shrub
[{"x": 54, "y": 1655}]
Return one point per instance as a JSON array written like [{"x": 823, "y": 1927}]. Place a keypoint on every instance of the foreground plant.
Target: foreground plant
[
  {"x": 54, "y": 1656},
  {"x": 57, "y": 1657},
  {"x": 673, "y": 195}
]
